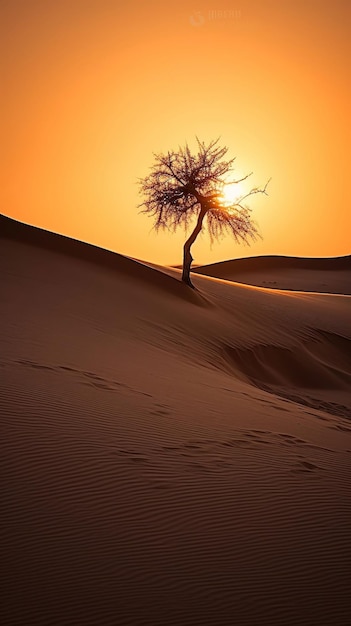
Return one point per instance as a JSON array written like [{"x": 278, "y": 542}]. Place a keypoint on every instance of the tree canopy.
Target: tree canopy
[{"x": 182, "y": 184}]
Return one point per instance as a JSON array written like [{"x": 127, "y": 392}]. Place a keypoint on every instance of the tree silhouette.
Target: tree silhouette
[{"x": 182, "y": 184}]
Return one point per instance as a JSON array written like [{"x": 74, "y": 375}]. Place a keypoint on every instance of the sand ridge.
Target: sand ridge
[{"x": 324, "y": 275}]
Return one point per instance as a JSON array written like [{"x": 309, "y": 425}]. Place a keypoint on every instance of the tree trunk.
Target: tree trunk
[{"x": 187, "y": 258}]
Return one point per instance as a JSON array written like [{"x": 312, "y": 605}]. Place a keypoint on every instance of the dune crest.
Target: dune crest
[
  {"x": 324, "y": 275},
  {"x": 46, "y": 240}
]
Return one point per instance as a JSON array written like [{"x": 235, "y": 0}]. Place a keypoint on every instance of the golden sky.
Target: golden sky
[{"x": 94, "y": 87}]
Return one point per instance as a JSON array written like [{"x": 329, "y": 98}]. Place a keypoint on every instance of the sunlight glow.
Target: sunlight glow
[{"x": 232, "y": 193}]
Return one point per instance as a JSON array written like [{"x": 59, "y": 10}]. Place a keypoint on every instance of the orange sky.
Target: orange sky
[{"x": 94, "y": 87}]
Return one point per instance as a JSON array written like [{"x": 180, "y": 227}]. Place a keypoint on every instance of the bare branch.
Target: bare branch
[
  {"x": 253, "y": 191},
  {"x": 239, "y": 180}
]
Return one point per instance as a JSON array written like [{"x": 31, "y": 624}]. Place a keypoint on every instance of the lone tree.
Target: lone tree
[{"x": 182, "y": 184}]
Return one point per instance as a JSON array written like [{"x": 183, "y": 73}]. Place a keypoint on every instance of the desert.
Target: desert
[{"x": 170, "y": 456}]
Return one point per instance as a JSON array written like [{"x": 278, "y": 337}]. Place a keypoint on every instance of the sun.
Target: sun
[{"x": 232, "y": 193}]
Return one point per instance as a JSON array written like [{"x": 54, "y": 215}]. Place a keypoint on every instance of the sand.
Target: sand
[
  {"x": 326, "y": 275},
  {"x": 169, "y": 456}
]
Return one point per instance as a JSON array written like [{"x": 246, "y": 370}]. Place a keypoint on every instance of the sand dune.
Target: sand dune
[
  {"x": 169, "y": 456},
  {"x": 325, "y": 275}
]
